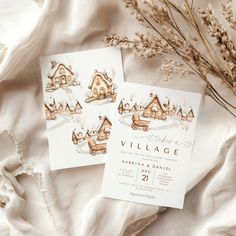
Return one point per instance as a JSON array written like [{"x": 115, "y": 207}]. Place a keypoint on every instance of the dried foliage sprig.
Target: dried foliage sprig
[
  {"x": 170, "y": 68},
  {"x": 228, "y": 14},
  {"x": 143, "y": 45},
  {"x": 198, "y": 52}
]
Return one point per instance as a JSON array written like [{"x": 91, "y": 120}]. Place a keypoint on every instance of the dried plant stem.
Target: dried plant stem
[
  {"x": 171, "y": 40},
  {"x": 214, "y": 94}
]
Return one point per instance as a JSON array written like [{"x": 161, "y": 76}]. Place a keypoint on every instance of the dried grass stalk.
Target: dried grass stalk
[
  {"x": 228, "y": 14},
  {"x": 164, "y": 36}
]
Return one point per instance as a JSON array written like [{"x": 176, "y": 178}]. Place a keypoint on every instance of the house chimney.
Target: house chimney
[{"x": 53, "y": 64}]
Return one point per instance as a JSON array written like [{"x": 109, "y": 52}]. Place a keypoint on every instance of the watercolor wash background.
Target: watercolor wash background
[
  {"x": 63, "y": 152},
  {"x": 183, "y": 133}
]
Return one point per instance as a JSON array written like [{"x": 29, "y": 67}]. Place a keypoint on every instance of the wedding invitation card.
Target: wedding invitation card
[
  {"x": 79, "y": 93},
  {"x": 150, "y": 145}
]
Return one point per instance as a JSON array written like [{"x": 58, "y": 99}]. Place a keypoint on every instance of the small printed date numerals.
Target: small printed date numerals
[{"x": 144, "y": 177}]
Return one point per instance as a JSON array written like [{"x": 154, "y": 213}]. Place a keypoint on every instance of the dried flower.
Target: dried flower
[
  {"x": 143, "y": 45},
  {"x": 228, "y": 14},
  {"x": 165, "y": 36},
  {"x": 158, "y": 13},
  {"x": 171, "y": 68},
  {"x": 223, "y": 42},
  {"x": 133, "y": 7}
]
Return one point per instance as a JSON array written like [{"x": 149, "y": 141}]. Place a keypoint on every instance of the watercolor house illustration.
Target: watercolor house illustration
[
  {"x": 69, "y": 109},
  {"x": 166, "y": 106},
  {"x": 180, "y": 114},
  {"x": 49, "y": 112},
  {"x": 105, "y": 129},
  {"x": 138, "y": 107},
  {"x": 53, "y": 109},
  {"x": 172, "y": 110},
  {"x": 126, "y": 107},
  {"x": 60, "y": 108},
  {"x": 101, "y": 87},
  {"x": 121, "y": 107},
  {"x": 155, "y": 109},
  {"x": 77, "y": 137},
  {"x": 60, "y": 75},
  {"x": 91, "y": 133},
  {"x": 185, "y": 116},
  {"x": 190, "y": 115}
]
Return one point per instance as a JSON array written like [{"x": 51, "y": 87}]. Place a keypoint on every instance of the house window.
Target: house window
[
  {"x": 63, "y": 79},
  {"x": 95, "y": 91},
  {"x": 154, "y": 108},
  {"x": 62, "y": 71},
  {"x": 57, "y": 80},
  {"x": 69, "y": 78},
  {"x": 97, "y": 80},
  {"x": 102, "y": 91}
]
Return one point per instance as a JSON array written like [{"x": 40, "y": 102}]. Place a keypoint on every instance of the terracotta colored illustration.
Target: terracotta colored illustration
[
  {"x": 52, "y": 110},
  {"x": 95, "y": 148},
  {"x": 145, "y": 112},
  {"x": 60, "y": 75},
  {"x": 139, "y": 123},
  {"x": 101, "y": 87},
  {"x": 92, "y": 138}
]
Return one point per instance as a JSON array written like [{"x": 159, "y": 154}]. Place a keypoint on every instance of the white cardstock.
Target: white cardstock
[
  {"x": 79, "y": 90},
  {"x": 151, "y": 145}
]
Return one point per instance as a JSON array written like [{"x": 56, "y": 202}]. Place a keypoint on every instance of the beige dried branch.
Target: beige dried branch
[
  {"x": 228, "y": 14},
  {"x": 143, "y": 45},
  {"x": 170, "y": 68},
  {"x": 165, "y": 36},
  {"x": 224, "y": 44}
]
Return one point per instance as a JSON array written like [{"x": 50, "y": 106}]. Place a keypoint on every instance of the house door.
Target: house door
[
  {"x": 63, "y": 79},
  {"x": 102, "y": 92},
  {"x": 153, "y": 114}
]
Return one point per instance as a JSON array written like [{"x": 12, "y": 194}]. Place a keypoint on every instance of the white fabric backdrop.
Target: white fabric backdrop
[{"x": 68, "y": 202}]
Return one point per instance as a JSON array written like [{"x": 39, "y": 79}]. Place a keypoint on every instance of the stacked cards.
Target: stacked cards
[{"x": 144, "y": 134}]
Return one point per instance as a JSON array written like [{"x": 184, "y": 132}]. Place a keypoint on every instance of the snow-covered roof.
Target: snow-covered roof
[
  {"x": 104, "y": 76},
  {"x": 157, "y": 99},
  {"x": 55, "y": 66},
  {"x": 48, "y": 107}
]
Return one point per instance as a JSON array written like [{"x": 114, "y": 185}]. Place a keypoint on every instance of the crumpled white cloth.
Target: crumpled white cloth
[{"x": 68, "y": 202}]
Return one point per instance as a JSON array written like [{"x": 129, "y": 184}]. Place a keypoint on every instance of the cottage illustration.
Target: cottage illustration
[
  {"x": 121, "y": 107},
  {"x": 172, "y": 110},
  {"x": 166, "y": 106},
  {"x": 105, "y": 129},
  {"x": 142, "y": 114},
  {"x": 101, "y": 87},
  {"x": 69, "y": 109},
  {"x": 53, "y": 109},
  {"x": 94, "y": 139},
  {"x": 127, "y": 107},
  {"x": 190, "y": 115},
  {"x": 77, "y": 137},
  {"x": 49, "y": 112},
  {"x": 60, "y": 108},
  {"x": 138, "y": 107},
  {"x": 180, "y": 114},
  {"x": 155, "y": 109},
  {"x": 60, "y": 75},
  {"x": 91, "y": 133}
]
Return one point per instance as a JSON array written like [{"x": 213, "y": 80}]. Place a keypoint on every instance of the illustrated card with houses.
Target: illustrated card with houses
[
  {"x": 80, "y": 89},
  {"x": 150, "y": 145}
]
